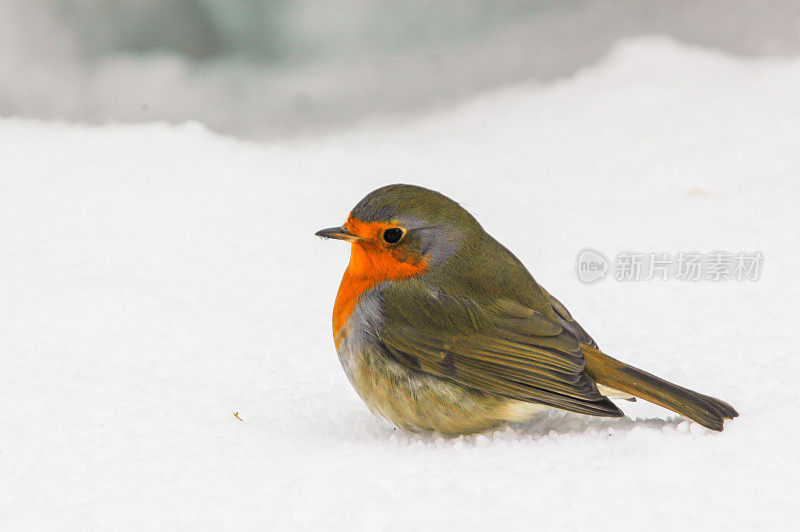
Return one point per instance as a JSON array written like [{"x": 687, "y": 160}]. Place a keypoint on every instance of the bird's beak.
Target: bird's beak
[{"x": 339, "y": 233}]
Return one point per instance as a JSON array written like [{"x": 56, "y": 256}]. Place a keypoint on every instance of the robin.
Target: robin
[{"x": 439, "y": 327}]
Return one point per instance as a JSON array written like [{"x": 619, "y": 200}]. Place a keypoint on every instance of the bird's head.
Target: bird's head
[{"x": 400, "y": 231}]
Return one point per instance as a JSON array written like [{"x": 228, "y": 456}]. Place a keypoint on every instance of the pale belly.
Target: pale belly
[{"x": 420, "y": 402}]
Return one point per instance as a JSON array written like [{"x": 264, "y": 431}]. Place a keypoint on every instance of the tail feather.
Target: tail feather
[{"x": 607, "y": 371}]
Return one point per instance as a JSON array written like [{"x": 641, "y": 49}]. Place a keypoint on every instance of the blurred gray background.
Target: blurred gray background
[{"x": 266, "y": 69}]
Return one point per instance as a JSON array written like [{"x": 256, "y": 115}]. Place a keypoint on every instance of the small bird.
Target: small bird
[{"x": 439, "y": 327}]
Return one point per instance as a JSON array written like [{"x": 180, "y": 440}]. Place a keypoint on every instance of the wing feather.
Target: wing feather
[{"x": 501, "y": 347}]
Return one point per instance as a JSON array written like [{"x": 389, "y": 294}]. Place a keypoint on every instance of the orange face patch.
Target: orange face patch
[{"x": 372, "y": 261}]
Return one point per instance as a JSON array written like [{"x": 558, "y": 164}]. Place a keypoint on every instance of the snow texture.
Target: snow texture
[{"x": 155, "y": 279}]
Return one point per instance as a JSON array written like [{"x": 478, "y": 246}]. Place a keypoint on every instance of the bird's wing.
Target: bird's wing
[
  {"x": 501, "y": 347},
  {"x": 566, "y": 320}
]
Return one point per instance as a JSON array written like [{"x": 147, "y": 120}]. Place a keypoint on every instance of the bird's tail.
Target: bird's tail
[{"x": 707, "y": 411}]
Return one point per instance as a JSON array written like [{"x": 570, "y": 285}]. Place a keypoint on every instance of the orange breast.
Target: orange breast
[{"x": 370, "y": 265}]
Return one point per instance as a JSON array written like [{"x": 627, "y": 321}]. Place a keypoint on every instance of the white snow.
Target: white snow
[{"x": 156, "y": 279}]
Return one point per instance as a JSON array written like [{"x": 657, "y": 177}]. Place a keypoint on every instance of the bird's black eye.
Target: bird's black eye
[{"x": 393, "y": 235}]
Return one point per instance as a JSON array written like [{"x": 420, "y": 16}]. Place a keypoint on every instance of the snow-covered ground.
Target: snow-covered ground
[
  {"x": 156, "y": 279},
  {"x": 267, "y": 69}
]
